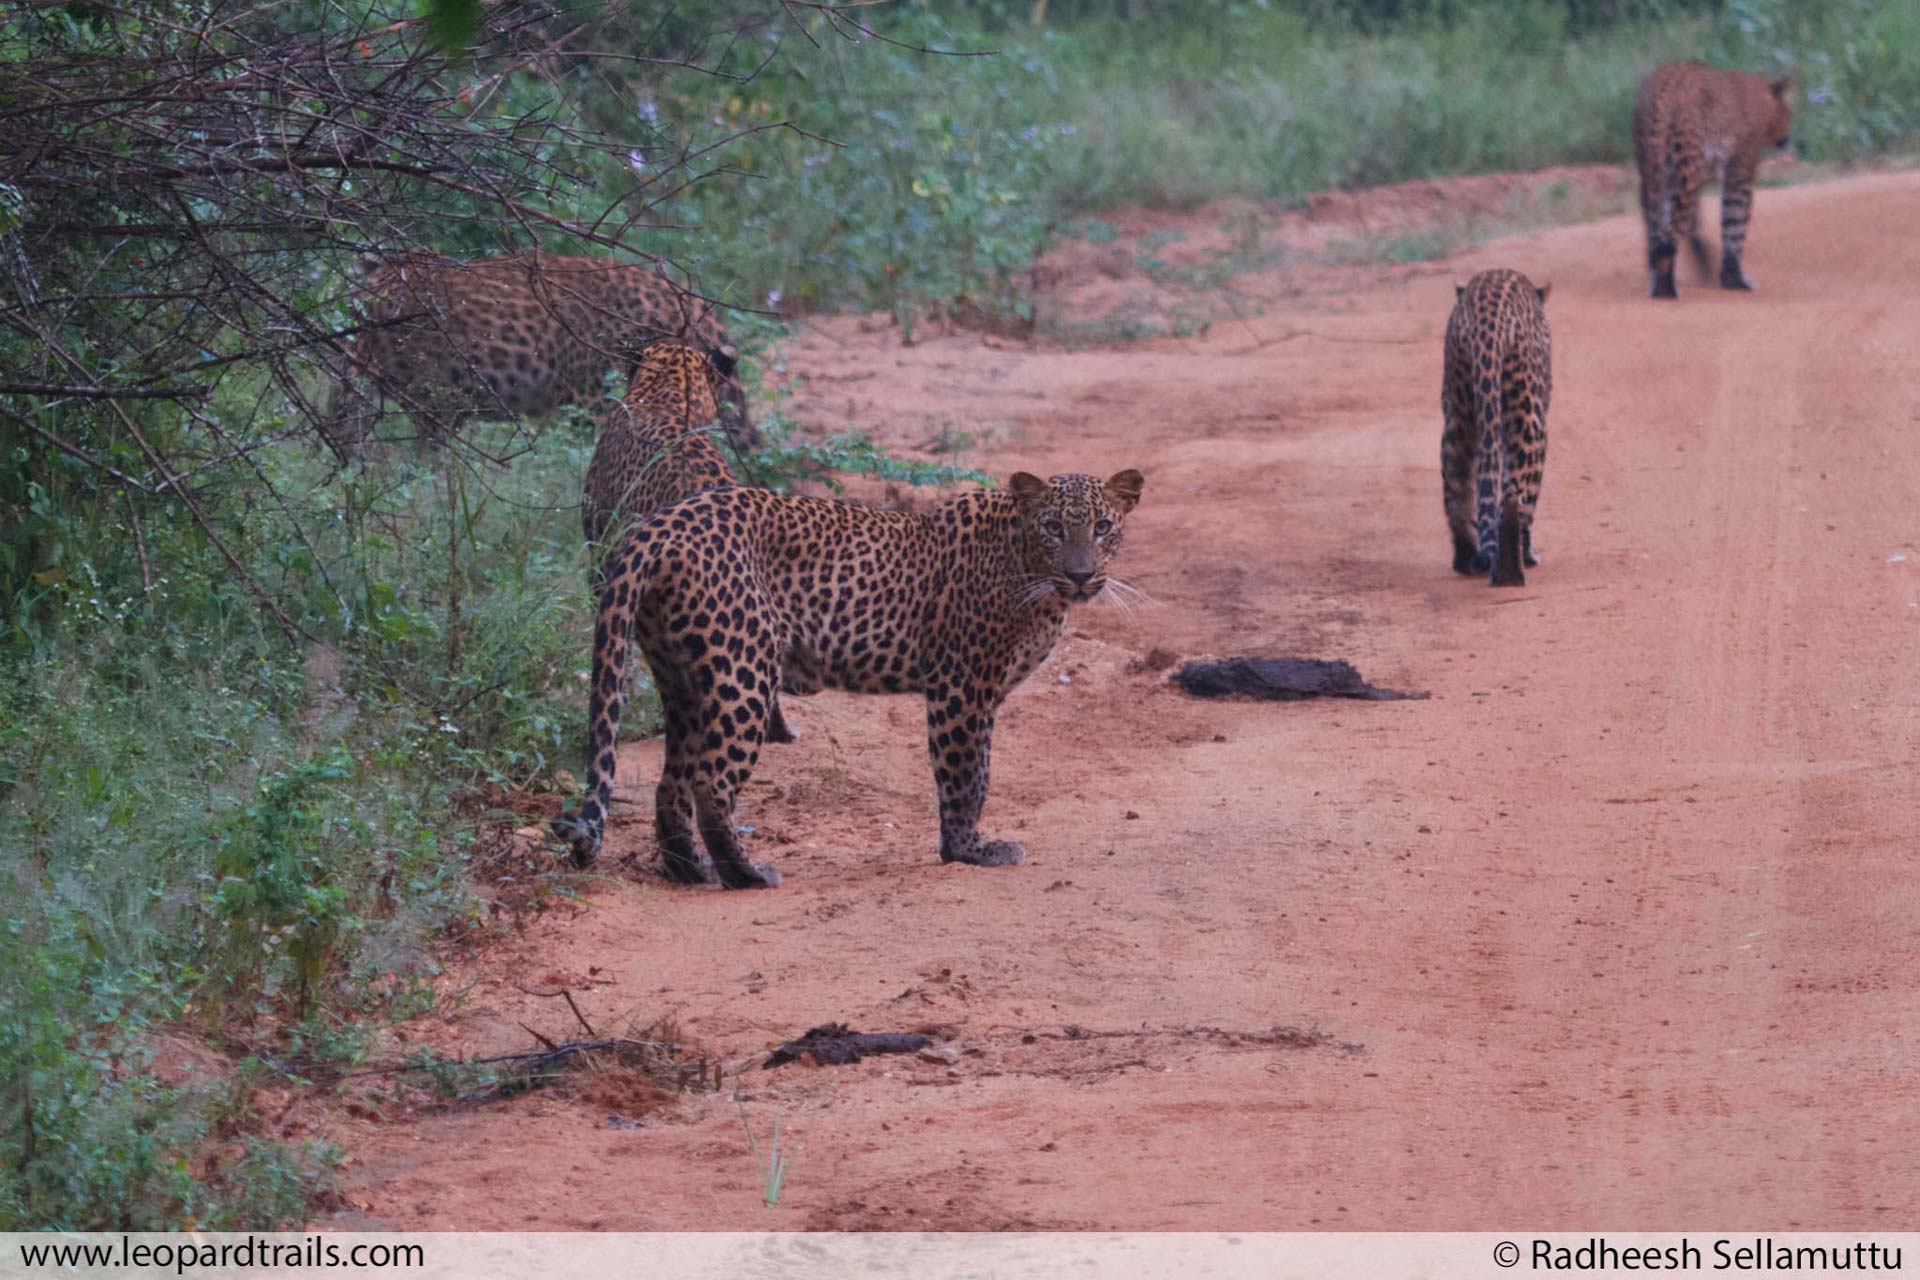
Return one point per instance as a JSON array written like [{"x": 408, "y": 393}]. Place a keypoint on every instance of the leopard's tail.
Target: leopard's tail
[
  {"x": 627, "y": 585},
  {"x": 1489, "y": 460}
]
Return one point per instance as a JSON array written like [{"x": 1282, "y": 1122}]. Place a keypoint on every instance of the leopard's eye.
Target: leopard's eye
[
  {"x": 1053, "y": 529},
  {"x": 1102, "y": 529}
]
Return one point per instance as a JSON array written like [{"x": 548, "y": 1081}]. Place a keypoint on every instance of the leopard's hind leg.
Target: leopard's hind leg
[
  {"x": 673, "y": 795},
  {"x": 1684, "y": 159},
  {"x": 778, "y": 730},
  {"x": 1669, "y": 194},
  {"x": 1458, "y": 447},
  {"x": 1736, "y": 210},
  {"x": 728, "y": 728},
  {"x": 1523, "y": 444}
]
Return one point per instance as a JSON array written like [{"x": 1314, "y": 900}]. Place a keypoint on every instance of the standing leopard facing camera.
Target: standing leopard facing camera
[
  {"x": 1694, "y": 125},
  {"x": 1499, "y": 376},
  {"x": 731, "y": 589},
  {"x": 654, "y": 448}
]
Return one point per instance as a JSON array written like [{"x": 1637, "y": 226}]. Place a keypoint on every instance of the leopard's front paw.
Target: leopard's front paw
[
  {"x": 581, "y": 834},
  {"x": 682, "y": 869},
  {"x": 747, "y": 875},
  {"x": 985, "y": 853},
  {"x": 779, "y": 728}
]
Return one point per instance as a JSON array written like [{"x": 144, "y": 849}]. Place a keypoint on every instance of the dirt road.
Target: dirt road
[{"x": 1620, "y": 927}]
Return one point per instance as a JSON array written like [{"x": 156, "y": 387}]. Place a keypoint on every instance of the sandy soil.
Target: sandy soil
[{"x": 1619, "y": 927}]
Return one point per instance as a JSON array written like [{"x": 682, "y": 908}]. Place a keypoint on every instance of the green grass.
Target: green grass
[{"x": 190, "y": 850}]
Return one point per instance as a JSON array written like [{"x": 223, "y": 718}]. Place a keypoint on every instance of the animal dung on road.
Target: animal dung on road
[{"x": 1280, "y": 680}]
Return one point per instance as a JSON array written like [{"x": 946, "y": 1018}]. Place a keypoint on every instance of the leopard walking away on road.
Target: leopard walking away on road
[
  {"x": 1694, "y": 125},
  {"x": 1499, "y": 376}
]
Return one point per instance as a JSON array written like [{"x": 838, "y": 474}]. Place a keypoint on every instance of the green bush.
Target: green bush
[
  {"x": 118, "y": 798},
  {"x": 1855, "y": 63}
]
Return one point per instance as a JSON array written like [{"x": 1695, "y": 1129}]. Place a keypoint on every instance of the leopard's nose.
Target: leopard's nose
[{"x": 1079, "y": 577}]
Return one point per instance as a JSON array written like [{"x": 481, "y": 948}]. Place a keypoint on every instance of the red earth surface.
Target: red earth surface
[{"x": 1619, "y": 927}]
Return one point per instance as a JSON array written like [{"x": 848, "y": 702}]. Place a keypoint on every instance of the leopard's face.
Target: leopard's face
[{"x": 1073, "y": 526}]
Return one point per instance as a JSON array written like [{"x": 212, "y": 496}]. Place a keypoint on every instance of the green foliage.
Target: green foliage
[
  {"x": 199, "y": 827},
  {"x": 1855, "y": 65},
  {"x": 786, "y": 459},
  {"x": 919, "y": 179},
  {"x": 120, "y": 793},
  {"x": 774, "y": 1165},
  {"x": 952, "y": 169},
  {"x": 278, "y": 895}
]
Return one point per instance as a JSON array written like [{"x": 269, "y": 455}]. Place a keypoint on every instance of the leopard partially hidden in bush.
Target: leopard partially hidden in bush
[
  {"x": 516, "y": 336},
  {"x": 731, "y": 590},
  {"x": 1693, "y": 125},
  {"x": 656, "y": 447},
  {"x": 1499, "y": 376}
]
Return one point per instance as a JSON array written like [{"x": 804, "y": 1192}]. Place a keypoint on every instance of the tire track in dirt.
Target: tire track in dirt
[{"x": 1624, "y": 917}]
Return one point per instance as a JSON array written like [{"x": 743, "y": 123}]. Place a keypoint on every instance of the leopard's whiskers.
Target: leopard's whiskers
[
  {"x": 1039, "y": 588},
  {"x": 1114, "y": 598}
]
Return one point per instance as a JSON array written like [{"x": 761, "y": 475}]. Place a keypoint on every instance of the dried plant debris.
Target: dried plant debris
[
  {"x": 1280, "y": 680},
  {"x": 655, "y": 1055}
]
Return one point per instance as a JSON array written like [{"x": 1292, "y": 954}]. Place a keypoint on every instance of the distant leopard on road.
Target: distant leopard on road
[
  {"x": 1694, "y": 125},
  {"x": 1493, "y": 451}
]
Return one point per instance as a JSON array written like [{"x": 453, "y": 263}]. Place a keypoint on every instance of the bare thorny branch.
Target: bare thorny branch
[{"x": 185, "y": 185}]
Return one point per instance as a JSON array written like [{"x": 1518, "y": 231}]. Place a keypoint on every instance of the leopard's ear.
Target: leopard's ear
[
  {"x": 1543, "y": 290},
  {"x": 1028, "y": 490},
  {"x": 726, "y": 363},
  {"x": 1459, "y": 292},
  {"x": 1123, "y": 489},
  {"x": 1782, "y": 86}
]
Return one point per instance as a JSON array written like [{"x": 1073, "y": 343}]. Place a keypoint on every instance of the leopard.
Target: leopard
[
  {"x": 653, "y": 449},
  {"x": 1694, "y": 125},
  {"x": 727, "y": 591},
  {"x": 518, "y": 335},
  {"x": 1493, "y": 400}
]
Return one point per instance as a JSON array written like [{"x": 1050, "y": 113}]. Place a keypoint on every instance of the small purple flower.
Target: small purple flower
[
  {"x": 638, "y": 161},
  {"x": 1029, "y": 133},
  {"x": 1067, "y": 130},
  {"x": 649, "y": 110},
  {"x": 813, "y": 160},
  {"x": 773, "y": 297},
  {"x": 1818, "y": 96}
]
